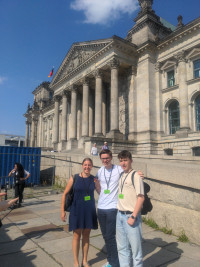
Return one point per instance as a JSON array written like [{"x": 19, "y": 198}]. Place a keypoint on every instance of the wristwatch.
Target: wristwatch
[{"x": 133, "y": 217}]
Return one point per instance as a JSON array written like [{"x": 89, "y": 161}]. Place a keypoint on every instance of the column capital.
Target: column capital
[
  {"x": 73, "y": 88},
  {"x": 114, "y": 63},
  {"x": 85, "y": 80},
  {"x": 157, "y": 66},
  {"x": 65, "y": 93},
  {"x": 98, "y": 73},
  {"x": 180, "y": 56},
  {"x": 56, "y": 98}
]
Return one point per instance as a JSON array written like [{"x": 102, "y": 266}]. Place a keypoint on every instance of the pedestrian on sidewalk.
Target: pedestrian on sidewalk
[
  {"x": 105, "y": 146},
  {"x": 130, "y": 202},
  {"x": 20, "y": 176},
  {"x": 108, "y": 181},
  {"x": 82, "y": 217},
  {"x": 94, "y": 151}
]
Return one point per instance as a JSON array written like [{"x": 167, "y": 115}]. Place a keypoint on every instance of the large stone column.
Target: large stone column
[
  {"x": 91, "y": 112},
  {"x": 56, "y": 120},
  {"x": 114, "y": 100},
  {"x": 48, "y": 131},
  {"x": 132, "y": 103},
  {"x": 64, "y": 116},
  {"x": 98, "y": 103},
  {"x": 159, "y": 107},
  {"x": 85, "y": 108},
  {"x": 33, "y": 126},
  {"x": 27, "y": 134},
  {"x": 183, "y": 95},
  {"x": 40, "y": 130},
  {"x": 73, "y": 132}
]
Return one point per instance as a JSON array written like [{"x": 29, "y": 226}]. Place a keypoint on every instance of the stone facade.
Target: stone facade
[{"x": 142, "y": 91}]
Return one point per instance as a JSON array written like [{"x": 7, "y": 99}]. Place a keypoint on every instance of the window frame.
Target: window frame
[
  {"x": 172, "y": 128},
  {"x": 197, "y": 113},
  {"x": 169, "y": 80},
  {"x": 196, "y": 69}
]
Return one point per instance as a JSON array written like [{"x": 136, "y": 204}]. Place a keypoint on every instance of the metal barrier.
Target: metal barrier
[{"x": 29, "y": 157}]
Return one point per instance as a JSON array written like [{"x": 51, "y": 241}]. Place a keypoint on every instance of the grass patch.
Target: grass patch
[
  {"x": 166, "y": 231},
  {"x": 58, "y": 187},
  {"x": 151, "y": 223},
  {"x": 183, "y": 238}
]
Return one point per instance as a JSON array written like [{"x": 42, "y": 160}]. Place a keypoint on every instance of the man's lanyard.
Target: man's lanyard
[
  {"x": 122, "y": 184},
  {"x": 108, "y": 182}
]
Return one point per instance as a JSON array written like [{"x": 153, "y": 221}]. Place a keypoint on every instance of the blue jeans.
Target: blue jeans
[
  {"x": 107, "y": 221},
  {"x": 129, "y": 241}
]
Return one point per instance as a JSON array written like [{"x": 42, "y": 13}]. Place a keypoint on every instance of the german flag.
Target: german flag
[{"x": 51, "y": 73}]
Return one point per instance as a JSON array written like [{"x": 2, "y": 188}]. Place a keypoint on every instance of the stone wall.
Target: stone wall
[{"x": 174, "y": 183}]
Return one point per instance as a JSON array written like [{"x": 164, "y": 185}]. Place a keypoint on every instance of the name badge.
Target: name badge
[
  {"x": 106, "y": 191},
  {"x": 86, "y": 198},
  {"x": 121, "y": 196}
]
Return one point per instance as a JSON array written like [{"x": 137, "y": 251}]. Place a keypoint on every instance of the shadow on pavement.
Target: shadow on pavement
[{"x": 156, "y": 252}]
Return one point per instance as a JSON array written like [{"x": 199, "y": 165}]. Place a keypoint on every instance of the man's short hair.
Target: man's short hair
[
  {"x": 125, "y": 154},
  {"x": 105, "y": 151}
]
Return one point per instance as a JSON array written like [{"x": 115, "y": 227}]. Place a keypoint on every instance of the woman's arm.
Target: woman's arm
[
  {"x": 27, "y": 176},
  {"x": 10, "y": 173},
  {"x": 97, "y": 186},
  {"x": 67, "y": 189}
]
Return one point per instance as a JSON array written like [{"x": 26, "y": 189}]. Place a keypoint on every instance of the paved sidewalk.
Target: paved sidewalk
[{"x": 34, "y": 235}]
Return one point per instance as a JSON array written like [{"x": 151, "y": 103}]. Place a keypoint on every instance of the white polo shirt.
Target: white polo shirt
[{"x": 109, "y": 179}]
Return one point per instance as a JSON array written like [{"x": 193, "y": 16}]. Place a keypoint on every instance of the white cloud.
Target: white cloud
[
  {"x": 2, "y": 79},
  {"x": 104, "y": 11}
]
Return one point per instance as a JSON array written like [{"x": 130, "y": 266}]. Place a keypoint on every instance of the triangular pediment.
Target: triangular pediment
[
  {"x": 194, "y": 53},
  {"x": 78, "y": 55},
  {"x": 168, "y": 65}
]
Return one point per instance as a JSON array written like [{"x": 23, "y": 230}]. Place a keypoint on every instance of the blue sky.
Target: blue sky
[{"x": 37, "y": 34}]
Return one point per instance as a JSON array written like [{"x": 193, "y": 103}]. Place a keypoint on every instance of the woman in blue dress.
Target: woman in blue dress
[{"x": 82, "y": 216}]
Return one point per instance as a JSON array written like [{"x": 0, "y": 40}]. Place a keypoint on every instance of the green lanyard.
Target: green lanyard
[
  {"x": 87, "y": 197},
  {"x": 108, "y": 182},
  {"x": 122, "y": 184}
]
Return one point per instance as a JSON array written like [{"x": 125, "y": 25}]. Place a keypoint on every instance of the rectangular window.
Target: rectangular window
[
  {"x": 168, "y": 152},
  {"x": 197, "y": 68},
  {"x": 170, "y": 78},
  {"x": 196, "y": 151}
]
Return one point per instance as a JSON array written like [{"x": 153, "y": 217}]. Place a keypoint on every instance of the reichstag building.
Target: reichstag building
[{"x": 140, "y": 93}]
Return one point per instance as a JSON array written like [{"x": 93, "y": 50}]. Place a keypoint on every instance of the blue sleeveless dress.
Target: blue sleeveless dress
[{"x": 83, "y": 213}]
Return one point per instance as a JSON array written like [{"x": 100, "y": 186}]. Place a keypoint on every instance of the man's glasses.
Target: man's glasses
[{"x": 105, "y": 159}]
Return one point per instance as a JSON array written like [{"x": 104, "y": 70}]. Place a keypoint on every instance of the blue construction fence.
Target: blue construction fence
[{"x": 29, "y": 157}]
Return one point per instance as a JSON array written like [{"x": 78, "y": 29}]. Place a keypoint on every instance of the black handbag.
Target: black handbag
[{"x": 70, "y": 195}]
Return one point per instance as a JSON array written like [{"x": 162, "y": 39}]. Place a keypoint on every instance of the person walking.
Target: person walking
[
  {"x": 82, "y": 217},
  {"x": 20, "y": 176}
]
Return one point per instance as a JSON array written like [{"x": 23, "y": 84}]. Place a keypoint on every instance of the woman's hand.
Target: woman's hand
[
  {"x": 63, "y": 216},
  {"x": 141, "y": 174},
  {"x": 22, "y": 179}
]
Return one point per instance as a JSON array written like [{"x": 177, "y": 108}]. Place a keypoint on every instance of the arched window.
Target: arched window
[
  {"x": 197, "y": 113},
  {"x": 174, "y": 117}
]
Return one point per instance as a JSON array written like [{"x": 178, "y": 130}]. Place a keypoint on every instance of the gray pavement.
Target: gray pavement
[{"x": 34, "y": 235}]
